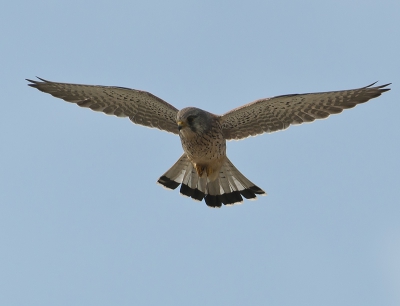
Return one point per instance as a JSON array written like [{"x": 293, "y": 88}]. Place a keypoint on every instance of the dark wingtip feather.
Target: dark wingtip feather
[
  {"x": 374, "y": 92},
  {"x": 33, "y": 83},
  {"x": 380, "y": 87},
  {"x": 371, "y": 84},
  {"x": 43, "y": 80},
  {"x": 37, "y": 83}
]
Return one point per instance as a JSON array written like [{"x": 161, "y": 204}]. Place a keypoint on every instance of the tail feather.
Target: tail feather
[
  {"x": 174, "y": 176},
  {"x": 224, "y": 183},
  {"x": 228, "y": 188}
]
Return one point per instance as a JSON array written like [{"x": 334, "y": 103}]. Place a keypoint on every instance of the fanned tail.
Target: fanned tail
[{"x": 228, "y": 188}]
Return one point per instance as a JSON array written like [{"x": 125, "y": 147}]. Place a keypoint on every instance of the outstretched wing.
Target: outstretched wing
[
  {"x": 278, "y": 113},
  {"x": 140, "y": 106}
]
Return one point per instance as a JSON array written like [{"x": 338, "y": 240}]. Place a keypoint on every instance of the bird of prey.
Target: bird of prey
[{"x": 204, "y": 171}]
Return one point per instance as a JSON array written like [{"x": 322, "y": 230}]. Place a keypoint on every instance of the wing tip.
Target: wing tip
[
  {"x": 380, "y": 87},
  {"x": 35, "y": 83}
]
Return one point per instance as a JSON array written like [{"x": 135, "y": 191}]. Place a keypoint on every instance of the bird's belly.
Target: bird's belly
[
  {"x": 206, "y": 155},
  {"x": 199, "y": 150}
]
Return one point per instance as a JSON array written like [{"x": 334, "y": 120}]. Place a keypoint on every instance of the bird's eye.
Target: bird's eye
[{"x": 190, "y": 119}]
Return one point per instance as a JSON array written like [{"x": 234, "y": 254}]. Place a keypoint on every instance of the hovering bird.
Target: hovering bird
[{"x": 204, "y": 171}]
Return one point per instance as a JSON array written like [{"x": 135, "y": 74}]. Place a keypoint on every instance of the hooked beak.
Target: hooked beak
[{"x": 181, "y": 125}]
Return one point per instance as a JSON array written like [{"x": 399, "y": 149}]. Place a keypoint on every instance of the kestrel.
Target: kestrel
[{"x": 204, "y": 171}]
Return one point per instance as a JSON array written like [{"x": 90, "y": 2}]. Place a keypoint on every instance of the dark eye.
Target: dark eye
[{"x": 190, "y": 119}]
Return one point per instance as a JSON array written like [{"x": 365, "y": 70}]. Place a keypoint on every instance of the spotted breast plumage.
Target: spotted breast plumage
[{"x": 204, "y": 171}]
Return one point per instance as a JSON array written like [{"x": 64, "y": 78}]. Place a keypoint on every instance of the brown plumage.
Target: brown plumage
[{"x": 204, "y": 170}]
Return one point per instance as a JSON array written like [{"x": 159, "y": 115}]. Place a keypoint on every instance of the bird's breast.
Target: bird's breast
[{"x": 204, "y": 148}]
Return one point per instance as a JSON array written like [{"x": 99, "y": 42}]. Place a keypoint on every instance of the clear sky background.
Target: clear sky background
[{"x": 82, "y": 221}]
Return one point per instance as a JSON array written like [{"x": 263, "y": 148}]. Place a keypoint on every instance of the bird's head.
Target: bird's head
[{"x": 192, "y": 121}]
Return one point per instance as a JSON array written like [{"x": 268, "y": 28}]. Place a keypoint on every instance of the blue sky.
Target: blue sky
[{"x": 82, "y": 221}]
